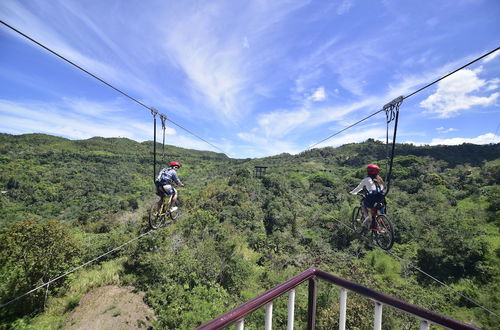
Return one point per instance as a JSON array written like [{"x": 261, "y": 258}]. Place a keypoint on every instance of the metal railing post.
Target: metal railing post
[
  {"x": 291, "y": 309},
  {"x": 311, "y": 307},
  {"x": 240, "y": 324},
  {"x": 343, "y": 308},
  {"x": 237, "y": 315},
  {"x": 425, "y": 325},
  {"x": 378, "y": 316},
  {"x": 269, "y": 316}
]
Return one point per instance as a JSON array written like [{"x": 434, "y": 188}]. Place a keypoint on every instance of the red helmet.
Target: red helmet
[
  {"x": 372, "y": 169},
  {"x": 174, "y": 163}
]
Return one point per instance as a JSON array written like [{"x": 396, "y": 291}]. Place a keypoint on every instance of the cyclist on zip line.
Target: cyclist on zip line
[
  {"x": 374, "y": 185},
  {"x": 164, "y": 184}
]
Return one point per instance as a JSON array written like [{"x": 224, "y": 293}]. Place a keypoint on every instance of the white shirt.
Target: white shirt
[{"x": 368, "y": 184}]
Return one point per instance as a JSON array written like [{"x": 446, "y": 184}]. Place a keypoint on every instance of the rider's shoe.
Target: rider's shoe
[{"x": 173, "y": 209}]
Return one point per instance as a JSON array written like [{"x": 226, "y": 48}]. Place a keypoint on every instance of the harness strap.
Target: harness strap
[
  {"x": 392, "y": 114},
  {"x": 154, "y": 112}
]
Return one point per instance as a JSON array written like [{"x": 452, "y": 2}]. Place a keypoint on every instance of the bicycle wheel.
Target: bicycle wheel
[
  {"x": 175, "y": 214},
  {"x": 357, "y": 220},
  {"x": 384, "y": 235},
  {"x": 156, "y": 217}
]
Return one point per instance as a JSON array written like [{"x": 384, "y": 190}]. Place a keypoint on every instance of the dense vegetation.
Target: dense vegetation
[{"x": 64, "y": 202}]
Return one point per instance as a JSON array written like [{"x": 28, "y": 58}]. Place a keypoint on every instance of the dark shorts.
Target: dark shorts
[
  {"x": 164, "y": 190},
  {"x": 373, "y": 200}
]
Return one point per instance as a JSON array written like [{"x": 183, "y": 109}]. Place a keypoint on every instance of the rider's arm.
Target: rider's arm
[{"x": 359, "y": 187}]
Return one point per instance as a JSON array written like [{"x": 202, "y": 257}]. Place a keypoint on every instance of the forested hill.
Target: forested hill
[{"x": 240, "y": 235}]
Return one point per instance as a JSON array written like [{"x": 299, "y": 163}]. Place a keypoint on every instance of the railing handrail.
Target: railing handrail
[{"x": 259, "y": 301}]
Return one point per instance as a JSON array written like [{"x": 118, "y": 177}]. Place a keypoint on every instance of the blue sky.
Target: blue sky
[{"x": 255, "y": 78}]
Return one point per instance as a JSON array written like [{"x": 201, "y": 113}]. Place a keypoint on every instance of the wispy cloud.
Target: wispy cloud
[
  {"x": 356, "y": 136},
  {"x": 75, "y": 119},
  {"x": 76, "y": 41},
  {"x": 262, "y": 146},
  {"x": 206, "y": 44},
  {"x": 344, "y": 7},
  {"x": 491, "y": 57},
  {"x": 445, "y": 130}
]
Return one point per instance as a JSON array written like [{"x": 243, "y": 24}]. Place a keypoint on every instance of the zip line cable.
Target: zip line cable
[
  {"x": 453, "y": 72},
  {"x": 421, "y": 271},
  {"x": 164, "y": 118},
  {"x": 405, "y": 97},
  {"x": 73, "y": 270},
  {"x": 442, "y": 283},
  {"x": 106, "y": 83}
]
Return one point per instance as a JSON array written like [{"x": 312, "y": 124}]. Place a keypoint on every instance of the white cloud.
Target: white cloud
[
  {"x": 492, "y": 84},
  {"x": 454, "y": 94},
  {"x": 445, "y": 130},
  {"x": 279, "y": 124},
  {"x": 482, "y": 139},
  {"x": 318, "y": 95}
]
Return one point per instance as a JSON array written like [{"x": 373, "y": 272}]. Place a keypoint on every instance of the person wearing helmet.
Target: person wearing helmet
[
  {"x": 164, "y": 183},
  {"x": 374, "y": 186}
]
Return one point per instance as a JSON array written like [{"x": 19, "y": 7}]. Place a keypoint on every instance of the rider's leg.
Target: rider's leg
[
  {"x": 174, "y": 200},
  {"x": 373, "y": 224},
  {"x": 366, "y": 213}
]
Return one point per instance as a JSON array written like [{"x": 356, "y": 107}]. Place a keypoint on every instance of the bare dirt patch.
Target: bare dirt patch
[{"x": 111, "y": 307}]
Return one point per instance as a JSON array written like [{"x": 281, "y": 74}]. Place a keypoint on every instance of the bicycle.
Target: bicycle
[
  {"x": 383, "y": 233},
  {"x": 158, "y": 215}
]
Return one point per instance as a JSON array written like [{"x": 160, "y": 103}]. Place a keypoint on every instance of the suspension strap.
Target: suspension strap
[
  {"x": 392, "y": 114},
  {"x": 154, "y": 112},
  {"x": 163, "y": 120}
]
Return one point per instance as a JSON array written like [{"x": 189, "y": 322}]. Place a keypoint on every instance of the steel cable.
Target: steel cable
[
  {"x": 73, "y": 270},
  {"x": 406, "y": 97},
  {"x": 106, "y": 83},
  {"x": 418, "y": 269}
]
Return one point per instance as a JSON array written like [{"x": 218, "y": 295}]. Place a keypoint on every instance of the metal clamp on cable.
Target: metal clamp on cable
[
  {"x": 154, "y": 112},
  {"x": 394, "y": 103},
  {"x": 389, "y": 108}
]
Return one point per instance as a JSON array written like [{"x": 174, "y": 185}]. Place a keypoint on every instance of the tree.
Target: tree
[{"x": 31, "y": 253}]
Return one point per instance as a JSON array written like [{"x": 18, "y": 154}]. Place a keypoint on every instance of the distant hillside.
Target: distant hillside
[
  {"x": 357, "y": 154},
  {"x": 53, "y": 176},
  {"x": 240, "y": 234}
]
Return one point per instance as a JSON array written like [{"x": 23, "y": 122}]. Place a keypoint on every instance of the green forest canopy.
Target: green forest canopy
[{"x": 242, "y": 235}]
